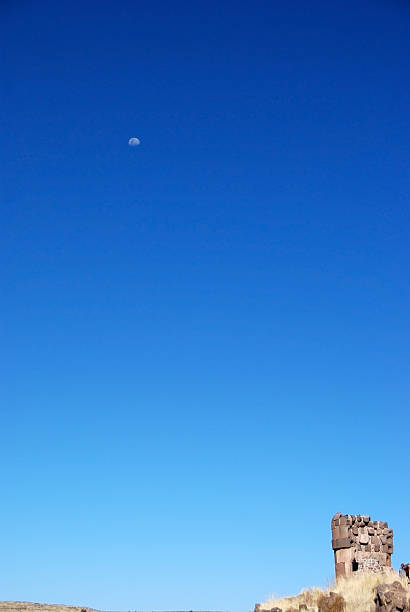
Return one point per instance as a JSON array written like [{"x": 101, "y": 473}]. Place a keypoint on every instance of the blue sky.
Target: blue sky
[{"x": 204, "y": 339}]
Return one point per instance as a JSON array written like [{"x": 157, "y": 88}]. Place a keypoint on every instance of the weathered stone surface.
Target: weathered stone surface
[
  {"x": 340, "y": 570},
  {"x": 391, "y": 598},
  {"x": 370, "y": 565},
  {"x": 341, "y": 543},
  {"x": 344, "y": 555}
]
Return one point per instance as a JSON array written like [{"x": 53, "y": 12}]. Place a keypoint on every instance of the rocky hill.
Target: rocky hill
[{"x": 361, "y": 592}]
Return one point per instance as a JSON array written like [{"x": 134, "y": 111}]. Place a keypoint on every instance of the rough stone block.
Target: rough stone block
[
  {"x": 344, "y": 555},
  {"x": 341, "y": 543}
]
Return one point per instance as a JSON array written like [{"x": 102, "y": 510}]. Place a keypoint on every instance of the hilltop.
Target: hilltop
[
  {"x": 25, "y": 606},
  {"x": 360, "y": 592}
]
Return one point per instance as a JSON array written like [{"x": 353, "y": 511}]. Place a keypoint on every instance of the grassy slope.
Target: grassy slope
[{"x": 358, "y": 592}]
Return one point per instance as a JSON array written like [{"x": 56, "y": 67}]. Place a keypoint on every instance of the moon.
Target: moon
[{"x": 134, "y": 142}]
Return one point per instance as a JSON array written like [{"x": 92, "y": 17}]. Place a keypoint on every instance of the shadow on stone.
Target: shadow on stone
[{"x": 391, "y": 598}]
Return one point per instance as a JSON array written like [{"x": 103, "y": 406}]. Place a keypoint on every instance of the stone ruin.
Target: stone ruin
[{"x": 360, "y": 544}]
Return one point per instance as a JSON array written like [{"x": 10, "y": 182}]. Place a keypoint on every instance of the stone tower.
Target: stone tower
[{"x": 360, "y": 544}]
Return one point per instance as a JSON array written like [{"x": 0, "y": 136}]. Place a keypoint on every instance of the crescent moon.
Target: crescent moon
[{"x": 134, "y": 142}]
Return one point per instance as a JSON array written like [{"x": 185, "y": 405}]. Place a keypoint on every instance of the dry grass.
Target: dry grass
[
  {"x": 25, "y": 606},
  {"x": 358, "y": 592},
  {"x": 336, "y": 603}
]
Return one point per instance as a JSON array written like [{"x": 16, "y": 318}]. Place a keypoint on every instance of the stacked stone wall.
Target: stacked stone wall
[{"x": 360, "y": 544}]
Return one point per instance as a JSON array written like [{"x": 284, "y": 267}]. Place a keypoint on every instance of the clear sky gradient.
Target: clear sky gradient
[{"x": 205, "y": 338}]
